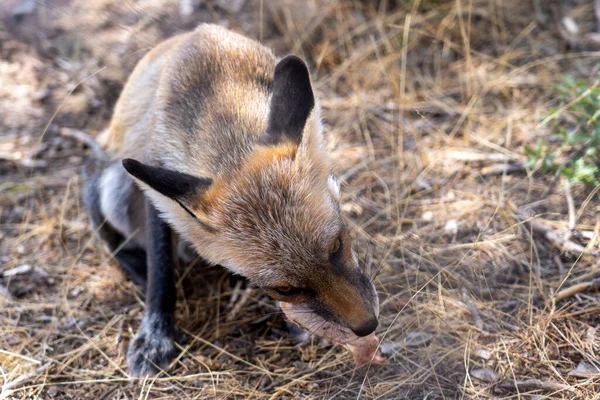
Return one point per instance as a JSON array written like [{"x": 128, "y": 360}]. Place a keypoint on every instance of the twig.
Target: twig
[
  {"x": 561, "y": 267},
  {"x": 587, "y": 234},
  {"x": 557, "y": 237},
  {"x": 21, "y": 356},
  {"x": 238, "y": 306},
  {"x": 21, "y": 269},
  {"x": 8, "y": 387},
  {"x": 570, "y": 205},
  {"x": 534, "y": 384},
  {"x": 236, "y": 293},
  {"x": 119, "y": 335},
  {"x": 499, "y": 169},
  {"x": 590, "y": 286},
  {"x": 473, "y": 309}
]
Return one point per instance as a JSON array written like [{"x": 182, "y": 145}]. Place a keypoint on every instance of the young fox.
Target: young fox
[{"x": 224, "y": 143}]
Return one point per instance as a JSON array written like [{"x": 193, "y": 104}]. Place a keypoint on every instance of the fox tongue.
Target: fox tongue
[{"x": 364, "y": 348}]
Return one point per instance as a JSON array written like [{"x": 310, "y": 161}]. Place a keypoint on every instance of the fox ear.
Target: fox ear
[
  {"x": 292, "y": 101},
  {"x": 182, "y": 188}
]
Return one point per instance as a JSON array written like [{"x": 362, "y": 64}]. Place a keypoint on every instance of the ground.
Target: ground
[{"x": 428, "y": 106}]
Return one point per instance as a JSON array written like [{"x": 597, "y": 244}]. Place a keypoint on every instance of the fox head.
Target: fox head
[{"x": 276, "y": 219}]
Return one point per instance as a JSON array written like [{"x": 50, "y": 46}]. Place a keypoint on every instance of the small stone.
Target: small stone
[
  {"x": 585, "y": 370},
  {"x": 427, "y": 216},
  {"x": 52, "y": 391},
  {"x": 388, "y": 348},
  {"x": 451, "y": 226},
  {"x": 484, "y": 374},
  {"x": 484, "y": 354},
  {"x": 570, "y": 25},
  {"x": 417, "y": 338}
]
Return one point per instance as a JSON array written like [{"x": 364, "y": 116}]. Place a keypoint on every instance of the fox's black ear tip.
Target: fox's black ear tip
[
  {"x": 292, "y": 58},
  {"x": 129, "y": 162},
  {"x": 131, "y": 165},
  {"x": 291, "y": 62}
]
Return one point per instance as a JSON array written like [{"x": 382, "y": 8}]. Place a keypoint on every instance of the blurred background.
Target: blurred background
[{"x": 466, "y": 136}]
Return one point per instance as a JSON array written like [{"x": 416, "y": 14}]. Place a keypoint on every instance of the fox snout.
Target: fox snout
[
  {"x": 355, "y": 303},
  {"x": 364, "y": 320}
]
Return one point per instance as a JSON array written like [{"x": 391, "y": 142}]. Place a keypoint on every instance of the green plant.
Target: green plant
[{"x": 575, "y": 136}]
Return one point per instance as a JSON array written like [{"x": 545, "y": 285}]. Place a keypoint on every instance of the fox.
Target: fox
[{"x": 217, "y": 145}]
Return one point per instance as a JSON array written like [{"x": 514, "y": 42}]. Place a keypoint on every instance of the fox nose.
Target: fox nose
[{"x": 366, "y": 328}]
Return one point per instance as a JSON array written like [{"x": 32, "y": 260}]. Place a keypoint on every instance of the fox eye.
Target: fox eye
[
  {"x": 292, "y": 294},
  {"x": 335, "y": 247},
  {"x": 284, "y": 290}
]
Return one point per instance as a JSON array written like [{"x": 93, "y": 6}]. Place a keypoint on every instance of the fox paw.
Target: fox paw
[{"x": 150, "y": 351}]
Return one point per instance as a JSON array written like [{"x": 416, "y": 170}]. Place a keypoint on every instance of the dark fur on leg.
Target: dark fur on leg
[
  {"x": 132, "y": 259},
  {"x": 152, "y": 349}
]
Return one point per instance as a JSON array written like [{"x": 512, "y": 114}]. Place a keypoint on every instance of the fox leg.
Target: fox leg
[
  {"x": 152, "y": 348},
  {"x": 130, "y": 256}
]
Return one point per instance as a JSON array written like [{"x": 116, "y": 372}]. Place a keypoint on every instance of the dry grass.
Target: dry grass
[{"x": 426, "y": 103}]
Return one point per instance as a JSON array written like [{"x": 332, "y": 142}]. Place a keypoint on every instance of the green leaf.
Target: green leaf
[
  {"x": 591, "y": 151},
  {"x": 568, "y": 172},
  {"x": 530, "y": 151}
]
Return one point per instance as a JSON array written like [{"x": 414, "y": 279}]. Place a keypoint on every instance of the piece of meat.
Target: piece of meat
[{"x": 364, "y": 348}]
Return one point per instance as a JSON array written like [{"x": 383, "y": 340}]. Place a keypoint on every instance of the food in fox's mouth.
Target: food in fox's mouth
[{"x": 364, "y": 348}]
